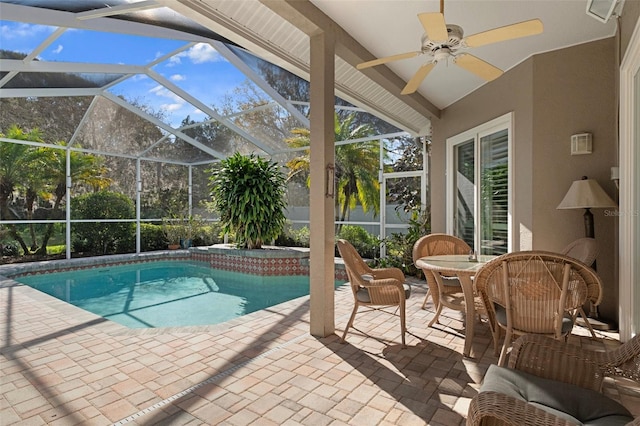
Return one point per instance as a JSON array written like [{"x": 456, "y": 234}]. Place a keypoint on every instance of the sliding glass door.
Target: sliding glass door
[{"x": 478, "y": 186}]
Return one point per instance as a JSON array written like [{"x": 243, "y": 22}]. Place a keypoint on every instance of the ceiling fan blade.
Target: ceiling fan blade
[
  {"x": 434, "y": 26},
  {"x": 381, "y": 61},
  {"x": 509, "y": 32},
  {"x": 417, "y": 78},
  {"x": 478, "y": 67}
]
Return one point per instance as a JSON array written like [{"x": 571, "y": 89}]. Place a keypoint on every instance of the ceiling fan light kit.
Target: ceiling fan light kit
[{"x": 442, "y": 41}]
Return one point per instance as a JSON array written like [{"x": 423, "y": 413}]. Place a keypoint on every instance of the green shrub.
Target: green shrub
[
  {"x": 10, "y": 249},
  {"x": 105, "y": 237},
  {"x": 399, "y": 246},
  {"x": 291, "y": 237},
  {"x": 209, "y": 234},
  {"x": 367, "y": 245},
  {"x": 249, "y": 195},
  {"x": 152, "y": 237}
]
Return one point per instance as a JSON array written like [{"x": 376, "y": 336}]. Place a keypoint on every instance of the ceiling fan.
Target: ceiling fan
[{"x": 442, "y": 41}]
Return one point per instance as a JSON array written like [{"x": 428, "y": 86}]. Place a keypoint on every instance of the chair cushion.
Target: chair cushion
[
  {"x": 501, "y": 317},
  {"x": 363, "y": 294},
  {"x": 564, "y": 400}
]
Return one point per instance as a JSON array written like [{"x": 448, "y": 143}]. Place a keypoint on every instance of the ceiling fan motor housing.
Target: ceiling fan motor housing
[{"x": 453, "y": 43}]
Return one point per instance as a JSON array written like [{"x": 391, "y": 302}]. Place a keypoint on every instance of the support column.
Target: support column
[{"x": 322, "y": 191}]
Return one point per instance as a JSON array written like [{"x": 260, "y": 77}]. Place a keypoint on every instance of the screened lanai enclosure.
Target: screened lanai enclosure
[{"x": 110, "y": 129}]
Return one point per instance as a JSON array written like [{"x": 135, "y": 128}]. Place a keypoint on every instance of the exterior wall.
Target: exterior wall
[
  {"x": 575, "y": 92},
  {"x": 552, "y": 96},
  {"x": 514, "y": 90}
]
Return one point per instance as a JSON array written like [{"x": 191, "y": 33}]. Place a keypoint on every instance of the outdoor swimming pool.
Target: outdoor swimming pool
[{"x": 168, "y": 293}]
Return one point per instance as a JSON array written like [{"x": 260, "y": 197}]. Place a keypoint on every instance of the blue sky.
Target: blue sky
[{"x": 201, "y": 71}]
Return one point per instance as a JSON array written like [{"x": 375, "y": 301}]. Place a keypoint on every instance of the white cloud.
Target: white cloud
[
  {"x": 171, "y": 107},
  {"x": 175, "y": 60},
  {"x": 198, "y": 54},
  {"x": 58, "y": 49},
  {"x": 22, "y": 30},
  {"x": 163, "y": 92},
  {"x": 177, "y": 77},
  {"x": 203, "y": 52}
]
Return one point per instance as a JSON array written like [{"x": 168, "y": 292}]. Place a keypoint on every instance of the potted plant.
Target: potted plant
[
  {"x": 172, "y": 232},
  {"x": 249, "y": 195},
  {"x": 190, "y": 227}
]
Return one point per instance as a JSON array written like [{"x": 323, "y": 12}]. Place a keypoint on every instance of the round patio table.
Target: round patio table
[{"x": 460, "y": 266}]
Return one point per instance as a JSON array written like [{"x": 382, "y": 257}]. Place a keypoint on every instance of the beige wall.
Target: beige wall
[
  {"x": 630, "y": 14},
  {"x": 552, "y": 96}
]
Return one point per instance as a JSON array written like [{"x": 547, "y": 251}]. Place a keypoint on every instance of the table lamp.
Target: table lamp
[{"x": 586, "y": 194}]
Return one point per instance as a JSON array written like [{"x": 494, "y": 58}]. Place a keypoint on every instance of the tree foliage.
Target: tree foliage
[
  {"x": 248, "y": 193},
  {"x": 106, "y": 237},
  {"x": 357, "y": 165}
]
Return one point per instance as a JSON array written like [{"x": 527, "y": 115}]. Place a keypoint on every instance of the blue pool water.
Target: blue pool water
[{"x": 168, "y": 293}]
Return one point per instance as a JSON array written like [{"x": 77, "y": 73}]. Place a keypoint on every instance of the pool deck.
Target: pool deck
[{"x": 64, "y": 366}]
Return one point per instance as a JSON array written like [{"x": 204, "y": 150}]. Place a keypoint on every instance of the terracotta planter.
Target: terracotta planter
[{"x": 174, "y": 246}]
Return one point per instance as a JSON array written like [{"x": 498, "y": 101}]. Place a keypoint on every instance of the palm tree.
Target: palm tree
[
  {"x": 86, "y": 169},
  {"x": 357, "y": 166},
  {"x": 17, "y": 169}
]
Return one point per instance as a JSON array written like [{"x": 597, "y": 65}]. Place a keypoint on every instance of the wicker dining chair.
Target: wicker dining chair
[
  {"x": 570, "y": 378},
  {"x": 532, "y": 292},
  {"x": 583, "y": 249},
  {"x": 586, "y": 251},
  {"x": 435, "y": 245},
  {"x": 374, "y": 288}
]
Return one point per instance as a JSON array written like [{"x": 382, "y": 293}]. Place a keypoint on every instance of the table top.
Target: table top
[{"x": 453, "y": 262}]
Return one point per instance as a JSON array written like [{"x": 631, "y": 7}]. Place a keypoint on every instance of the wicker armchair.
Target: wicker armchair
[
  {"x": 382, "y": 287},
  {"x": 558, "y": 364},
  {"x": 533, "y": 292},
  {"x": 586, "y": 251},
  {"x": 435, "y": 245}
]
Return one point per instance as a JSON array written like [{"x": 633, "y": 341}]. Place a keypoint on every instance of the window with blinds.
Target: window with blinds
[{"x": 494, "y": 192}]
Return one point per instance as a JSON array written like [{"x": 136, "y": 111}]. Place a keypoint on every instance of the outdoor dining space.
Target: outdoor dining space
[{"x": 534, "y": 294}]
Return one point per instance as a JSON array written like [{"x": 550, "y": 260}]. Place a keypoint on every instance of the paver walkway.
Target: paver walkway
[{"x": 64, "y": 366}]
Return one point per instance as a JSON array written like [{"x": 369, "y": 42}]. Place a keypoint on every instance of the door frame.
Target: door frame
[{"x": 629, "y": 236}]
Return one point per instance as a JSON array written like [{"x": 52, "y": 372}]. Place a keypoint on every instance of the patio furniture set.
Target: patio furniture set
[{"x": 533, "y": 294}]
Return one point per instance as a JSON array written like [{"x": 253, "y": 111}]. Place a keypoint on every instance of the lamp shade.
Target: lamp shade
[{"x": 586, "y": 194}]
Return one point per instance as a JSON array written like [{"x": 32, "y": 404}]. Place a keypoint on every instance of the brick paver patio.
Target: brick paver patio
[{"x": 64, "y": 366}]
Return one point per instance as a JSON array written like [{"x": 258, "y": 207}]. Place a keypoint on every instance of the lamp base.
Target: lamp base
[{"x": 599, "y": 324}]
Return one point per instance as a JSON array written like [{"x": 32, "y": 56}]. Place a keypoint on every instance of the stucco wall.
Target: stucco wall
[
  {"x": 552, "y": 96},
  {"x": 512, "y": 92},
  {"x": 575, "y": 92}
]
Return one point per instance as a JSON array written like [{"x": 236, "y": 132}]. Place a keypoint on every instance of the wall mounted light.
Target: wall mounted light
[
  {"x": 330, "y": 186},
  {"x": 615, "y": 175},
  {"x": 601, "y": 10},
  {"x": 581, "y": 143}
]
